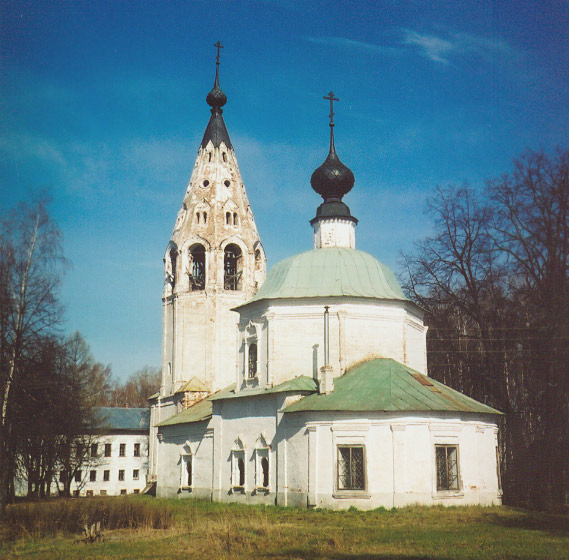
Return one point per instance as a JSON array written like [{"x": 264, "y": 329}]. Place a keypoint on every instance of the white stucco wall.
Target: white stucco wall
[{"x": 290, "y": 333}]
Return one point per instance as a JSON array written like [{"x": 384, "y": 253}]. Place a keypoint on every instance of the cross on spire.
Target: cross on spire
[
  {"x": 219, "y": 46},
  {"x": 331, "y": 98}
]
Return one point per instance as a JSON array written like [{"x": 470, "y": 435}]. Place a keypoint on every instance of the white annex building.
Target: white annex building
[{"x": 309, "y": 388}]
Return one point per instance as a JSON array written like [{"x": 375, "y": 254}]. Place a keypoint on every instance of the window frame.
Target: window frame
[
  {"x": 108, "y": 449},
  {"x": 93, "y": 476},
  {"x": 448, "y": 489},
  {"x": 135, "y": 474},
  {"x": 186, "y": 476},
  {"x": 260, "y": 454},
  {"x": 121, "y": 475},
  {"x": 122, "y": 450},
  {"x": 345, "y": 490},
  {"x": 236, "y": 474},
  {"x": 106, "y": 475},
  {"x": 136, "y": 450}
]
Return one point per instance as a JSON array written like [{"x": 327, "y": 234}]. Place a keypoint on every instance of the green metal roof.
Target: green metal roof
[
  {"x": 116, "y": 418},
  {"x": 196, "y": 413},
  {"x": 300, "y": 384},
  {"x": 384, "y": 385},
  {"x": 330, "y": 272}
]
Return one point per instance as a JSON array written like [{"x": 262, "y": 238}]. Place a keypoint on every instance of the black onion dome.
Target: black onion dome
[
  {"x": 216, "y": 98},
  {"x": 332, "y": 179}
]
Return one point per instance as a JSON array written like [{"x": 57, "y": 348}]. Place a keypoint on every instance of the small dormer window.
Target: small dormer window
[
  {"x": 224, "y": 155},
  {"x": 228, "y": 218},
  {"x": 209, "y": 157},
  {"x": 198, "y": 217},
  {"x": 235, "y": 219},
  {"x": 227, "y": 183},
  {"x": 206, "y": 183},
  {"x": 204, "y": 214}
]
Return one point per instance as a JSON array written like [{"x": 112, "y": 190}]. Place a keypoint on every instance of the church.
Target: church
[{"x": 307, "y": 386}]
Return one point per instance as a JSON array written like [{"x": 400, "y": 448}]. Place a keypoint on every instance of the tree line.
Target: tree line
[
  {"x": 493, "y": 279},
  {"x": 51, "y": 387}
]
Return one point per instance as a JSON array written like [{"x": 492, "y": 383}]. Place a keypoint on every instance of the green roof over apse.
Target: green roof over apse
[
  {"x": 330, "y": 272},
  {"x": 300, "y": 384},
  {"x": 384, "y": 385}
]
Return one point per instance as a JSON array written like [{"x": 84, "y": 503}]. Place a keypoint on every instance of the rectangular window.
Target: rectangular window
[
  {"x": 136, "y": 491},
  {"x": 186, "y": 475},
  {"x": 262, "y": 468},
  {"x": 121, "y": 474},
  {"x": 123, "y": 491},
  {"x": 89, "y": 493},
  {"x": 107, "y": 449},
  {"x": 94, "y": 449},
  {"x": 103, "y": 492},
  {"x": 135, "y": 474},
  {"x": 238, "y": 469},
  {"x": 93, "y": 476},
  {"x": 76, "y": 493},
  {"x": 137, "y": 449},
  {"x": 62, "y": 476},
  {"x": 77, "y": 476},
  {"x": 351, "y": 467},
  {"x": 106, "y": 476},
  {"x": 122, "y": 450},
  {"x": 447, "y": 467}
]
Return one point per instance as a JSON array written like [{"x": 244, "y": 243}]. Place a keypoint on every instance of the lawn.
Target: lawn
[{"x": 196, "y": 530}]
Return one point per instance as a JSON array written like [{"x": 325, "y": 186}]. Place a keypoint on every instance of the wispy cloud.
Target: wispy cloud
[
  {"x": 341, "y": 42},
  {"x": 444, "y": 49}
]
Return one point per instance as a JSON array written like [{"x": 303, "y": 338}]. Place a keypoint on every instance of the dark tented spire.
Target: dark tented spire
[
  {"x": 332, "y": 180},
  {"x": 216, "y": 131}
]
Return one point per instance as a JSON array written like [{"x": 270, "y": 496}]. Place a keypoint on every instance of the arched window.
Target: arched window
[
  {"x": 189, "y": 472},
  {"x": 204, "y": 217},
  {"x": 196, "y": 267},
  {"x": 173, "y": 261},
  {"x": 234, "y": 218},
  {"x": 232, "y": 267},
  {"x": 224, "y": 156},
  {"x": 198, "y": 217},
  {"x": 252, "y": 361},
  {"x": 228, "y": 218},
  {"x": 209, "y": 156}
]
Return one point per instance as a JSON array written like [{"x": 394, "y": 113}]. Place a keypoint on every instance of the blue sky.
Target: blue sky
[{"x": 103, "y": 104}]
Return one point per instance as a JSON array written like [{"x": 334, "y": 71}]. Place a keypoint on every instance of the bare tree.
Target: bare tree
[
  {"x": 30, "y": 267},
  {"x": 137, "y": 388}
]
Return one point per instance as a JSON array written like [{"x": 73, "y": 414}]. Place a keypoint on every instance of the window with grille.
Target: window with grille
[
  {"x": 447, "y": 467},
  {"x": 351, "y": 467}
]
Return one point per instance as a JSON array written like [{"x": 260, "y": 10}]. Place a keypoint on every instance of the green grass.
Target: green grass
[{"x": 199, "y": 530}]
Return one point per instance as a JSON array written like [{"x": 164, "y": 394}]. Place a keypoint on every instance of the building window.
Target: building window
[
  {"x": 78, "y": 475},
  {"x": 122, "y": 450},
  {"x": 235, "y": 219},
  {"x": 93, "y": 476},
  {"x": 187, "y": 471},
  {"x": 196, "y": 267},
  {"x": 76, "y": 493},
  {"x": 89, "y": 493},
  {"x": 204, "y": 214},
  {"x": 137, "y": 449},
  {"x": 232, "y": 267},
  {"x": 447, "y": 467},
  {"x": 107, "y": 449},
  {"x": 136, "y": 491},
  {"x": 135, "y": 474},
  {"x": 106, "y": 476},
  {"x": 262, "y": 468},
  {"x": 121, "y": 474},
  {"x": 252, "y": 359},
  {"x": 123, "y": 492},
  {"x": 228, "y": 218},
  {"x": 227, "y": 183},
  {"x": 238, "y": 469},
  {"x": 94, "y": 449},
  {"x": 173, "y": 261},
  {"x": 198, "y": 217},
  {"x": 224, "y": 155},
  {"x": 351, "y": 467},
  {"x": 103, "y": 492}
]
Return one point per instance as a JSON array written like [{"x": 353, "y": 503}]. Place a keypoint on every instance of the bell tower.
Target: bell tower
[{"x": 213, "y": 262}]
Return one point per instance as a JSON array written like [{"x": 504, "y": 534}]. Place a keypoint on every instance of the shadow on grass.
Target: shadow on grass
[
  {"x": 554, "y": 524},
  {"x": 312, "y": 554}
]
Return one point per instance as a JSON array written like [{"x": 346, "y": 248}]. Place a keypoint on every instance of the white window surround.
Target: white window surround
[
  {"x": 349, "y": 436},
  {"x": 238, "y": 467}
]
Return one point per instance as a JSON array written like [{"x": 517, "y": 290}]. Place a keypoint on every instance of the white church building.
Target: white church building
[{"x": 307, "y": 388}]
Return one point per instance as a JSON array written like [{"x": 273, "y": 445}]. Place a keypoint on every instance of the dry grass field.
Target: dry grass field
[{"x": 142, "y": 527}]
